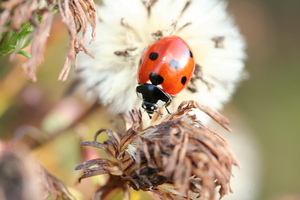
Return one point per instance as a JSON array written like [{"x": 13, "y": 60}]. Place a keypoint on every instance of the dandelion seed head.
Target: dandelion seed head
[{"x": 129, "y": 27}]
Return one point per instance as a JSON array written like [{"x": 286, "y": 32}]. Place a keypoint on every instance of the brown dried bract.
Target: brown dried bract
[
  {"x": 178, "y": 157},
  {"x": 54, "y": 187},
  {"x": 76, "y": 14}
]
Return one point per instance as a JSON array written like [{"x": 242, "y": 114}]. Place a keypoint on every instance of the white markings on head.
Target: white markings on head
[
  {"x": 139, "y": 95},
  {"x": 160, "y": 103}
]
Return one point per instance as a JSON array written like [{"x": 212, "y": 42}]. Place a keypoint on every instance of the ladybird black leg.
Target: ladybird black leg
[
  {"x": 168, "y": 111},
  {"x": 149, "y": 116}
]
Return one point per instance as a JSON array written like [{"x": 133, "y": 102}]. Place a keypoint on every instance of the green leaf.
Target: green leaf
[
  {"x": 14, "y": 41},
  {"x": 24, "y": 53}
]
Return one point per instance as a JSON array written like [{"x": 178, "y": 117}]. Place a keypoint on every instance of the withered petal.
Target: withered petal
[
  {"x": 96, "y": 161},
  {"x": 94, "y": 144},
  {"x": 93, "y": 172},
  {"x": 113, "y": 136},
  {"x": 219, "y": 118}
]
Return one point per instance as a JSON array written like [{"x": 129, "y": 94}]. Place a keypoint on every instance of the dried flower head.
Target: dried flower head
[
  {"x": 125, "y": 28},
  {"x": 17, "y": 15},
  {"x": 177, "y": 157}
]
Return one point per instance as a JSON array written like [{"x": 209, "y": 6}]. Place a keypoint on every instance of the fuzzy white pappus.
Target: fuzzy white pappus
[{"x": 126, "y": 27}]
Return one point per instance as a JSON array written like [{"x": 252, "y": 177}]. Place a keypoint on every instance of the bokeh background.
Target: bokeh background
[{"x": 268, "y": 101}]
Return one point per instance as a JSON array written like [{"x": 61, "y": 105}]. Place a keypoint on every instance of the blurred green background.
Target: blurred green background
[{"x": 269, "y": 98}]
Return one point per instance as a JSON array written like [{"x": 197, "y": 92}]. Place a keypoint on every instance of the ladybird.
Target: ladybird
[{"x": 165, "y": 68}]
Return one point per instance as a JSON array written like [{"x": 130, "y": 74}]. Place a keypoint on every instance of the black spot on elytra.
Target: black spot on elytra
[
  {"x": 183, "y": 80},
  {"x": 153, "y": 56},
  {"x": 156, "y": 79},
  {"x": 174, "y": 64},
  {"x": 189, "y": 53}
]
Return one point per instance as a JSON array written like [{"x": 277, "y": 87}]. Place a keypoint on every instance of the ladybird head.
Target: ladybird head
[
  {"x": 153, "y": 97},
  {"x": 149, "y": 107}
]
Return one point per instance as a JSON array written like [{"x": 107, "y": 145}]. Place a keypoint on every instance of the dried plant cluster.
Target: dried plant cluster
[
  {"x": 76, "y": 14},
  {"x": 179, "y": 152}
]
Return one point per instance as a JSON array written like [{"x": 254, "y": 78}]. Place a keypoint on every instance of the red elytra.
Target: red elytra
[{"x": 168, "y": 62}]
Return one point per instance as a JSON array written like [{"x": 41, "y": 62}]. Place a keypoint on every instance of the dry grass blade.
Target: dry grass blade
[{"x": 179, "y": 151}]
